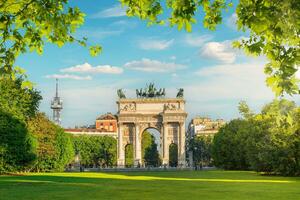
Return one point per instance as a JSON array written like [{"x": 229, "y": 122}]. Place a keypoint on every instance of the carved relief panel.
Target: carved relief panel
[
  {"x": 128, "y": 107},
  {"x": 171, "y": 106},
  {"x": 173, "y": 131}
]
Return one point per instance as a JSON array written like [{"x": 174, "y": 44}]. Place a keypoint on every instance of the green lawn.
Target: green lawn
[{"x": 185, "y": 185}]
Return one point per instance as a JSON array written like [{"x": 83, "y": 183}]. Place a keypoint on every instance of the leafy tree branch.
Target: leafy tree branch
[
  {"x": 273, "y": 25},
  {"x": 28, "y": 25}
]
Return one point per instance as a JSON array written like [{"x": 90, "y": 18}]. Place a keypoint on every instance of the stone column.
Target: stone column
[
  {"x": 121, "y": 150},
  {"x": 137, "y": 152},
  {"x": 181, "y": 156},
  {"x": 178, "y": 134},
  {"x": 165, "y": 144},
  {"x": 161, "y": 139}
]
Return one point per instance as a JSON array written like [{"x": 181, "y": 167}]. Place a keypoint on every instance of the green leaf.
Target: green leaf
[
  {"x": 27, "y": 85},
  {"x": 188, "y": 27},
  {"x": 95, "y": 50}
]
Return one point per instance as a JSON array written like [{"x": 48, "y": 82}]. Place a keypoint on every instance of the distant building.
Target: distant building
[
  {"x": 107, "y": 123},
  {"x": 204, "y": 126}
]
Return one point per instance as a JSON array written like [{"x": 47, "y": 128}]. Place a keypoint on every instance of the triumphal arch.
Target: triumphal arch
[{"x": 151, "y": 109}]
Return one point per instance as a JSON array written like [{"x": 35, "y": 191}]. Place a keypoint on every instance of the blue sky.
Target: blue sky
[{"x": 215, "y": 76}]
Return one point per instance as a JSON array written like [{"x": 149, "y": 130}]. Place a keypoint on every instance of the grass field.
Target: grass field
[{"x": 185, "y": 185}]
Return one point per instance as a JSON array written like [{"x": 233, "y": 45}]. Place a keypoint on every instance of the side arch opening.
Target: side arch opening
[
  {"x": 173, "y": 155},
  {"x": 129, "y": 158}
]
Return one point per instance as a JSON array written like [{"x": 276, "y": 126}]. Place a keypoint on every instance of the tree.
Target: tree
[
  {"x": 149, "y": 150},
  {"x": 54, "y": 148},
  {"x": 201, "y": 148},
  {"x": 273, "y": 26},
  {"x": 20, "y": 101},
  {"x": 96, "y": 151},
  {"x": 277, "y": 148},
  {"x": 64, "y": 150},
  {"x": 28, "y": 24},
  {"x": 151, "y": 156},
  {"x": 129, "y": 155},
  {"x": 266, "y": 142},
  {"x": 228, "y": 150},
  {"x": 17, "y": 105},
  {"x": 173, "y": 155},
  {"x": 17, "y": 151},
  {"x": 274, "y": 32},
  {"x": 147, "y": 140},
  {"x": 108, "y": 152}
]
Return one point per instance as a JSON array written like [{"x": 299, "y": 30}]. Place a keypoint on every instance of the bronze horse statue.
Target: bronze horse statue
[{"x": 180, "y": 93}]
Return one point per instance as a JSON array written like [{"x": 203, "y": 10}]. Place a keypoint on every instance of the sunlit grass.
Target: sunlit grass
[
  {"x": 152, "y": 178},
  {"x": 149, "y": 185}
]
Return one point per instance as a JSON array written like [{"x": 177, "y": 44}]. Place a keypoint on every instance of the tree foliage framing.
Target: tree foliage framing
[
  {"x": 25, "y": 25},
  {"x": 273, "y": 25}
]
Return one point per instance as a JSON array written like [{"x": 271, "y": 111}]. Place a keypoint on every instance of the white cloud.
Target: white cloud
[
  {"x": 87, "y": 68},
  {"x": 174, "y": 75},
  {"x": 220, "y": 51},
  {"x": 197, "y": 41},
  {"x": 69, "y": 76},
  {"x": 115, "y": 11},
  {"x": 231, "y": 21},
  {"x": 172, "y": 57},
  {"x": 152, "y": 44},
  {"x": 97, "y": 34},
  {"x": 234, "y": 81},
  {"x": 124, "y": 24},
  {"x": 148, "y": 65},
  {"x": 218, "y": 90}
]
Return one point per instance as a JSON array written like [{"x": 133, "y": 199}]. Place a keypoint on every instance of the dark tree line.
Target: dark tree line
[
  {"x": 266, "y": 142},
  {"x": 28, "y": 140},
  {"x": 200, "y": 146},
  {"x": 95, "y": 151}
]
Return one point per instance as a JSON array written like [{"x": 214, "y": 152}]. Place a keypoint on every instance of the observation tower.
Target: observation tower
[{"x": 56, "y": 106}]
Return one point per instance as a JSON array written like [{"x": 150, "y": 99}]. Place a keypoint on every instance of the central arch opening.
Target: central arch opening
[{"x": 151, "y": 148}]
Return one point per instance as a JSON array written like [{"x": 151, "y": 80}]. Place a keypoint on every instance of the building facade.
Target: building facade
[
  {"x": 107, "y": 123},
  {"x": 204, "y": 126}
]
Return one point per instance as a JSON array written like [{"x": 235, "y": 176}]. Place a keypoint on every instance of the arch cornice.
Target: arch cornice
[{"x": 151, "y": 100}]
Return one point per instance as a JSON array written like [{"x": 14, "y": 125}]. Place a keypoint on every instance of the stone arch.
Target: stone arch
[{"x": 163, "y": 114}]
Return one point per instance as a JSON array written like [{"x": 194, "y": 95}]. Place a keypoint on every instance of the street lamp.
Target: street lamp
[
  {"x": 195, "y": 162},
  {"x": 200, "y": 157}
]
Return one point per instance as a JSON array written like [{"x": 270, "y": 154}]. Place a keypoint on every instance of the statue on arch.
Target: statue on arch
[
  {"x": 180, "y": 93},
  {"x": 163, "y": 93},
  {"x": 138, "y": 93},
  {"x": 121, "y": 94},
  {"x": 150, "y": 91}
]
